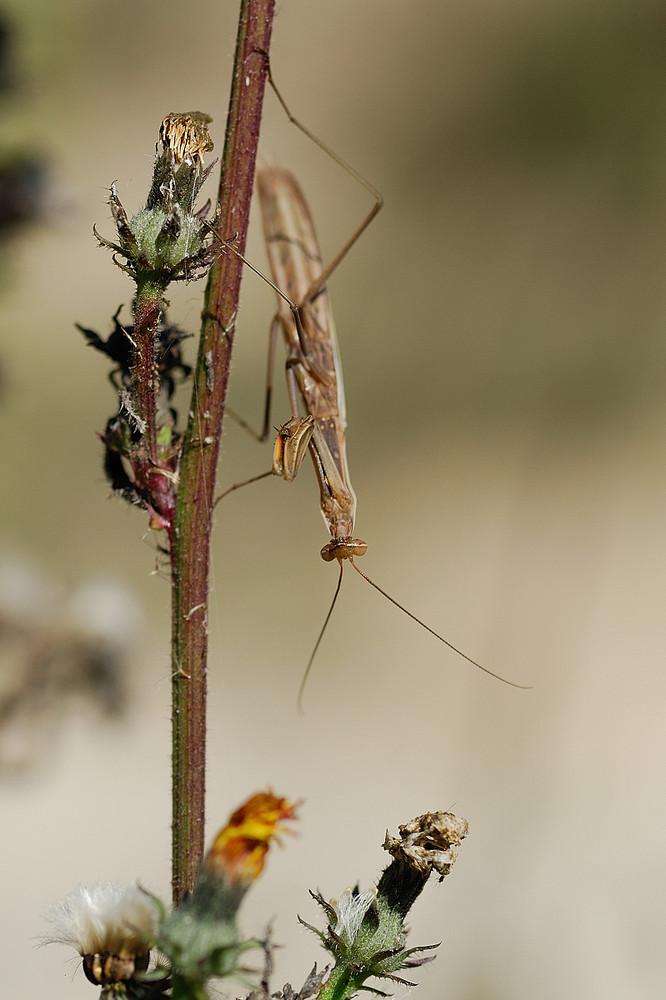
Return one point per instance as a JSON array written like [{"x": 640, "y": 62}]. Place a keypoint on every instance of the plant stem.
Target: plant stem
[
  {"x": 148, "y": 475},
  {"x": 190, "y": 550},
  {"x": 341, "y": 983},
  {"x": 147, "y": 311}
]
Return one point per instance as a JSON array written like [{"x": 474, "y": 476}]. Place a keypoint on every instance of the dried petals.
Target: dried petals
[
  {"x": 427, "y": 843},
  {"x": 186, "y": 135}
]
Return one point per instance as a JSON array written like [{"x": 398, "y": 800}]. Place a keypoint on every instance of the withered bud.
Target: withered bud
[
  {"x": 427, "y": 843},
  {"x": 186, "y": 135}
]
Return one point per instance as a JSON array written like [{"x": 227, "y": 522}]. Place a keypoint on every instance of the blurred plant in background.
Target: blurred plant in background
[
  {"x": 23, "y": 172},
  {"x": 58, "y": 651}
]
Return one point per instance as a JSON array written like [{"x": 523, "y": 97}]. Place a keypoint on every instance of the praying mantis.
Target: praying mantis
[{"x": 313, "y": 370}]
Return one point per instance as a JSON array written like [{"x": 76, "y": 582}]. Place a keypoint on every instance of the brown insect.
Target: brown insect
[{"x": 313, "y": 369}]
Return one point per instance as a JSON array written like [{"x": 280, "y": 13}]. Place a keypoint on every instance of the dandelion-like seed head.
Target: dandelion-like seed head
[{"x": 111, "y": 927}]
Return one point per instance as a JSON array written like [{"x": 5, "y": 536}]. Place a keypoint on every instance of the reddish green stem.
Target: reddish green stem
[
  {"x": 154, "y": 481},
  {"x": 190, "y": 550},
  {"x": 147, "y": 312}
]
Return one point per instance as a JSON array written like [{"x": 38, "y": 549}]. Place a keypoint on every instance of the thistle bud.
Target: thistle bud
[
  {"x": 201, "y": 938},
  {"x": 366, "y": 932},
  {"x": 168, "y": 240}
]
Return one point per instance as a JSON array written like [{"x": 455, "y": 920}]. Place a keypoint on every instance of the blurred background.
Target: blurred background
[{"x": 502, "y": 332}]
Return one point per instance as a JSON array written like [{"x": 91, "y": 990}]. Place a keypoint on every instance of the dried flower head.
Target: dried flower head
[
  {"x": 186, "y": 135},
  {"x": 111, "y": 927},
  {"x": 427, "y": 843}
]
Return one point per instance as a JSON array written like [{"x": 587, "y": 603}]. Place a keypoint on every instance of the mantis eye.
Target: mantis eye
[{"x": 344, "y": 548}]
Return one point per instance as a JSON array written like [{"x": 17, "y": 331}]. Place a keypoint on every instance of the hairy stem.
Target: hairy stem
[
  {"x": 147, "y": 312},
  {"x": 190, "y": 550},
  {"x": 148, "y": 475}
]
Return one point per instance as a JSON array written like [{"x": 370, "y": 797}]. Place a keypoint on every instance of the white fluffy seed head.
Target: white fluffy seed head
[{"x": 105, "y": 919}]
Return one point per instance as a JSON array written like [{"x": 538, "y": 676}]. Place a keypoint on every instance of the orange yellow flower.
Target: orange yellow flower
[{"x": 238, "y": 853}]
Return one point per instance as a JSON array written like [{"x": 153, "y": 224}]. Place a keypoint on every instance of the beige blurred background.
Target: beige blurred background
[{"x": 502, "y": 331}]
